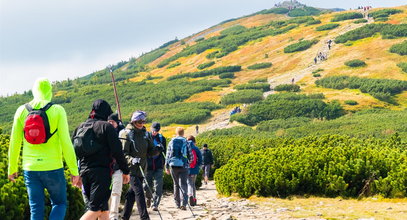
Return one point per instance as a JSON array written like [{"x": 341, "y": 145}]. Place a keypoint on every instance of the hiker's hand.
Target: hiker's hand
[
  {"x": 76, "y": 181},
  {"x": 12, "y": 177},
  {"x": 167, "y": 171},
  {"x": 126, "y": 178}
]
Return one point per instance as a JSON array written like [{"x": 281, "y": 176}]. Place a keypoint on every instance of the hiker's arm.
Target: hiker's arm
[
  {"x": 126, "y": 146},
  {"x": 168, "y": 154},
  {"x": 116, "y": 149},
  {"x": 199, "y": 154},
  {"x": 151, "y": 149},
  {"x": 16, "y": 139},
  {"x": 211, "y": 157},
  {"x": 66, "y": 143},
  {"x": 190, "y": 155}
]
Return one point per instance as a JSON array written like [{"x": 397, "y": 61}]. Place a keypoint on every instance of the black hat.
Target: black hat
[
  {"x": 205, "y": 145},
  {"x": 100, "y": 109},
  {"x": 156, "y": 126},
  {"x": 114, "y": 117}
]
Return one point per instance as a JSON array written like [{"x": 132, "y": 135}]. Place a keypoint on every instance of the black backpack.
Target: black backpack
[{"x": 84, "y": 141}]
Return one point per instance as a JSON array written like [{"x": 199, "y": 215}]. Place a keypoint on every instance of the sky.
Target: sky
[{"x": 73, "y": 38}]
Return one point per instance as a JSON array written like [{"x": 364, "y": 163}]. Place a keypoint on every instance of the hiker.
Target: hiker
[
  {"x": 292, "y": 81},
  {"x": 315, "y": 60},
  {"x": 117, "y": 180},
  {"x": 95, "y": 167},
  {"x": 197, "y": 129},
  {"x": 155, "y": 169},
  {"x": 137, "y": 146},
  {"x": 194, "y": 167},
  {"x": 207, "y": 162},
  {"x": 177, "y": 163},
  {"x": 43, "y": 152}
]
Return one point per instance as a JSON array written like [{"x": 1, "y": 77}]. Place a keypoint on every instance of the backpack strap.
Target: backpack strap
[
  {"x": 47, "y": 106},
  {"x": 28, "y": 107}
]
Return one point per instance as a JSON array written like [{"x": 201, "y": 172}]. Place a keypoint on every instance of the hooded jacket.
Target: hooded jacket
[
  {"x": 106, "y": 135},
  {"x": 46, "y": 156},
  {"x": 142, "y": 147}
]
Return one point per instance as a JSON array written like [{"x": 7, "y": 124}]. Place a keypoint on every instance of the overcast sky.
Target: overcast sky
[{"x": 71, "y": 38}]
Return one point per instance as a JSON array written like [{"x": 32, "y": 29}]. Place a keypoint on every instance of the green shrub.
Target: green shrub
[
  {"x": 226, "y": 76},
  {"x": 382, "y": 89},
  {"x": 327, "y": 27},
  {"x": 360, "y": 21},
  {"x": 258, "y": 86},
  {"x": 237, "y": 29},
  {"x": 300, "y": 46},
  {"x": 384, "y": 13},
  {"x": 174, "y": 65},
  {"x": 381, "y": 19},
  {"x": 200, "y": 39},
  {"x": 259, "y": 66},
  {"x": 287, "y": 105},
  {"x": 318, "y": 70},
  {"x": 206, "y": 65},
  {"x": 258, "y": 80},
  {"x": 274, "y": 125},
  {"x": 273, "y": 11},
  {"x": 355, "y": 63},
  {"x": 244, "y": 96},
  {"x": 347, "y": 16},
  {"x": 400, "y": 48},
  {"x": 351, "y": 102},
  {"x": 203, "y": 73},
  {"x": 387, "y": 31},
  {"x": 316, "y": 75},
  {"x": 287, "y": 87},
  {"x": 312, "y": 22},
  {"x": 403, "y": 66},
  {"x": 325, "y": 166},
  {"x": 305, "y": 11}
]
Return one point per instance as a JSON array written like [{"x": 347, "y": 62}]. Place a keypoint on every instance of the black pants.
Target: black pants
[{"x": 135, "y": 194}]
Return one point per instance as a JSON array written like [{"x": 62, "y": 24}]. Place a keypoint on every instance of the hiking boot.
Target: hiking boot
[
  {"x": 183, "y": 208},
  {"x": 154, "y": 208},
  {"x": 148, "y": 202},
  {"x": 194, "y": 202},
  {"x": 191, "y": 201}
]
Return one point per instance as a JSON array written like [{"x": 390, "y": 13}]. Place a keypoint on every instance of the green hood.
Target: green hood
[{"x": 42, "y": 90}]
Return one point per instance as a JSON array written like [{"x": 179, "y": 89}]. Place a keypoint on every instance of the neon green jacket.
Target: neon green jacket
[{"x": 47, "y": 156}]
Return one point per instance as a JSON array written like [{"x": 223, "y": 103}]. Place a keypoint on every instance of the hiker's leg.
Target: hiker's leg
[
  {"x": 183, "y": 183},
  {"x": 140, "y": 199},
  {"x": 36, "y": 196},
  {"x": 149, "y": 179},
  {"x": 91, "y": 215},
  {"x": 55, "y": 184},
  {"x": 158, "y": 186},
  {"x": 175, "y": 180},
  {"x": 191, "y": 185},
  {"x": 100, "y": 181},
  {"x": 117, "y": 184},
  {"x": 130, "y": 199}
]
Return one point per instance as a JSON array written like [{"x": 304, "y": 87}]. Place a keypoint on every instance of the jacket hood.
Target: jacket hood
[
  {"x": 42, "y": 90},
  {"x": 100, "y": 110}
]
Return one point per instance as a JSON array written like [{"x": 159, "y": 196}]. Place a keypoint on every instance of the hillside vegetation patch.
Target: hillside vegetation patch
[
  {"x": 205, "y": 65},
  {"x": 382, "y": 89},
  {"x": 347, "y": 16},
  {"x": 288, "y": 105},
  {"x": 400, "y": 48},
  {"x": 327, "y": 27},
  {"x": 403, "y": 66},
  {"x": 304, "y": 11},
  {"x": 300, "y": 46},
  {"x": 203, "y": 73},
  {"x": 260, "y": 66},
  {"x": 388, "y": 31},
  {"x": 384, "y": 13},
  {"x": 257, "y": 86},
  {"x": 355, "y": 63},
  {"x": 243, "y": 96},
  {"x": 287, "y": 88}
]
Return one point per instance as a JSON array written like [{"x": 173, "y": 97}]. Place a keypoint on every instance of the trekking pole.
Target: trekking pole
[
  {"x": 149, "y": 189},
  {"x": 115, "y": 93},
  {"x": 183, "y": 193}
]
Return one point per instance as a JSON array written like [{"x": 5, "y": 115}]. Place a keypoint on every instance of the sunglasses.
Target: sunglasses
[{"x": 141, "y": 121}]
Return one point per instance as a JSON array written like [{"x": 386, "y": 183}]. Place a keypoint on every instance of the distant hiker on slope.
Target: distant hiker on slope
[
  {"x": 137, "y": 146},
  {"x": 97, "y": 145},
  {"x": 45, "y": 144},
  {"x": 155, "y": 169},
  {"x": 177, "y": 163},
  {"x": 194, "y": 167}
]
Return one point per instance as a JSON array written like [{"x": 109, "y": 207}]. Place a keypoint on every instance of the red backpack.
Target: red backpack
[
  {"x": 36, "y": 125},
  {"x": 192, "y": 164}
]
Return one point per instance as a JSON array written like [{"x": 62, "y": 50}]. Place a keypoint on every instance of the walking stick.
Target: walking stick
[
  {"x": 115, "y": 94},
  {"x": 149, "y": 189}
]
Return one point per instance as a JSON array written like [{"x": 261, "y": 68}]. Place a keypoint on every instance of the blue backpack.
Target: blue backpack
[
  {"x": 158, "y": 143},
  {"x": 179, "y": 156}
]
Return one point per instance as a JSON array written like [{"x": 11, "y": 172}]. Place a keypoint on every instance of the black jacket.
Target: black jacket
[
  {"x": 158, "y": 161},
  {"x": 142, "y": 147},
  {"x": 207, "y": 157},
  {"x": 106, "y": 135}
]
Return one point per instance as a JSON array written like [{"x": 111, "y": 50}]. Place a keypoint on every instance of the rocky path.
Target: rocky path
[{"x": 211, "y": 206}]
